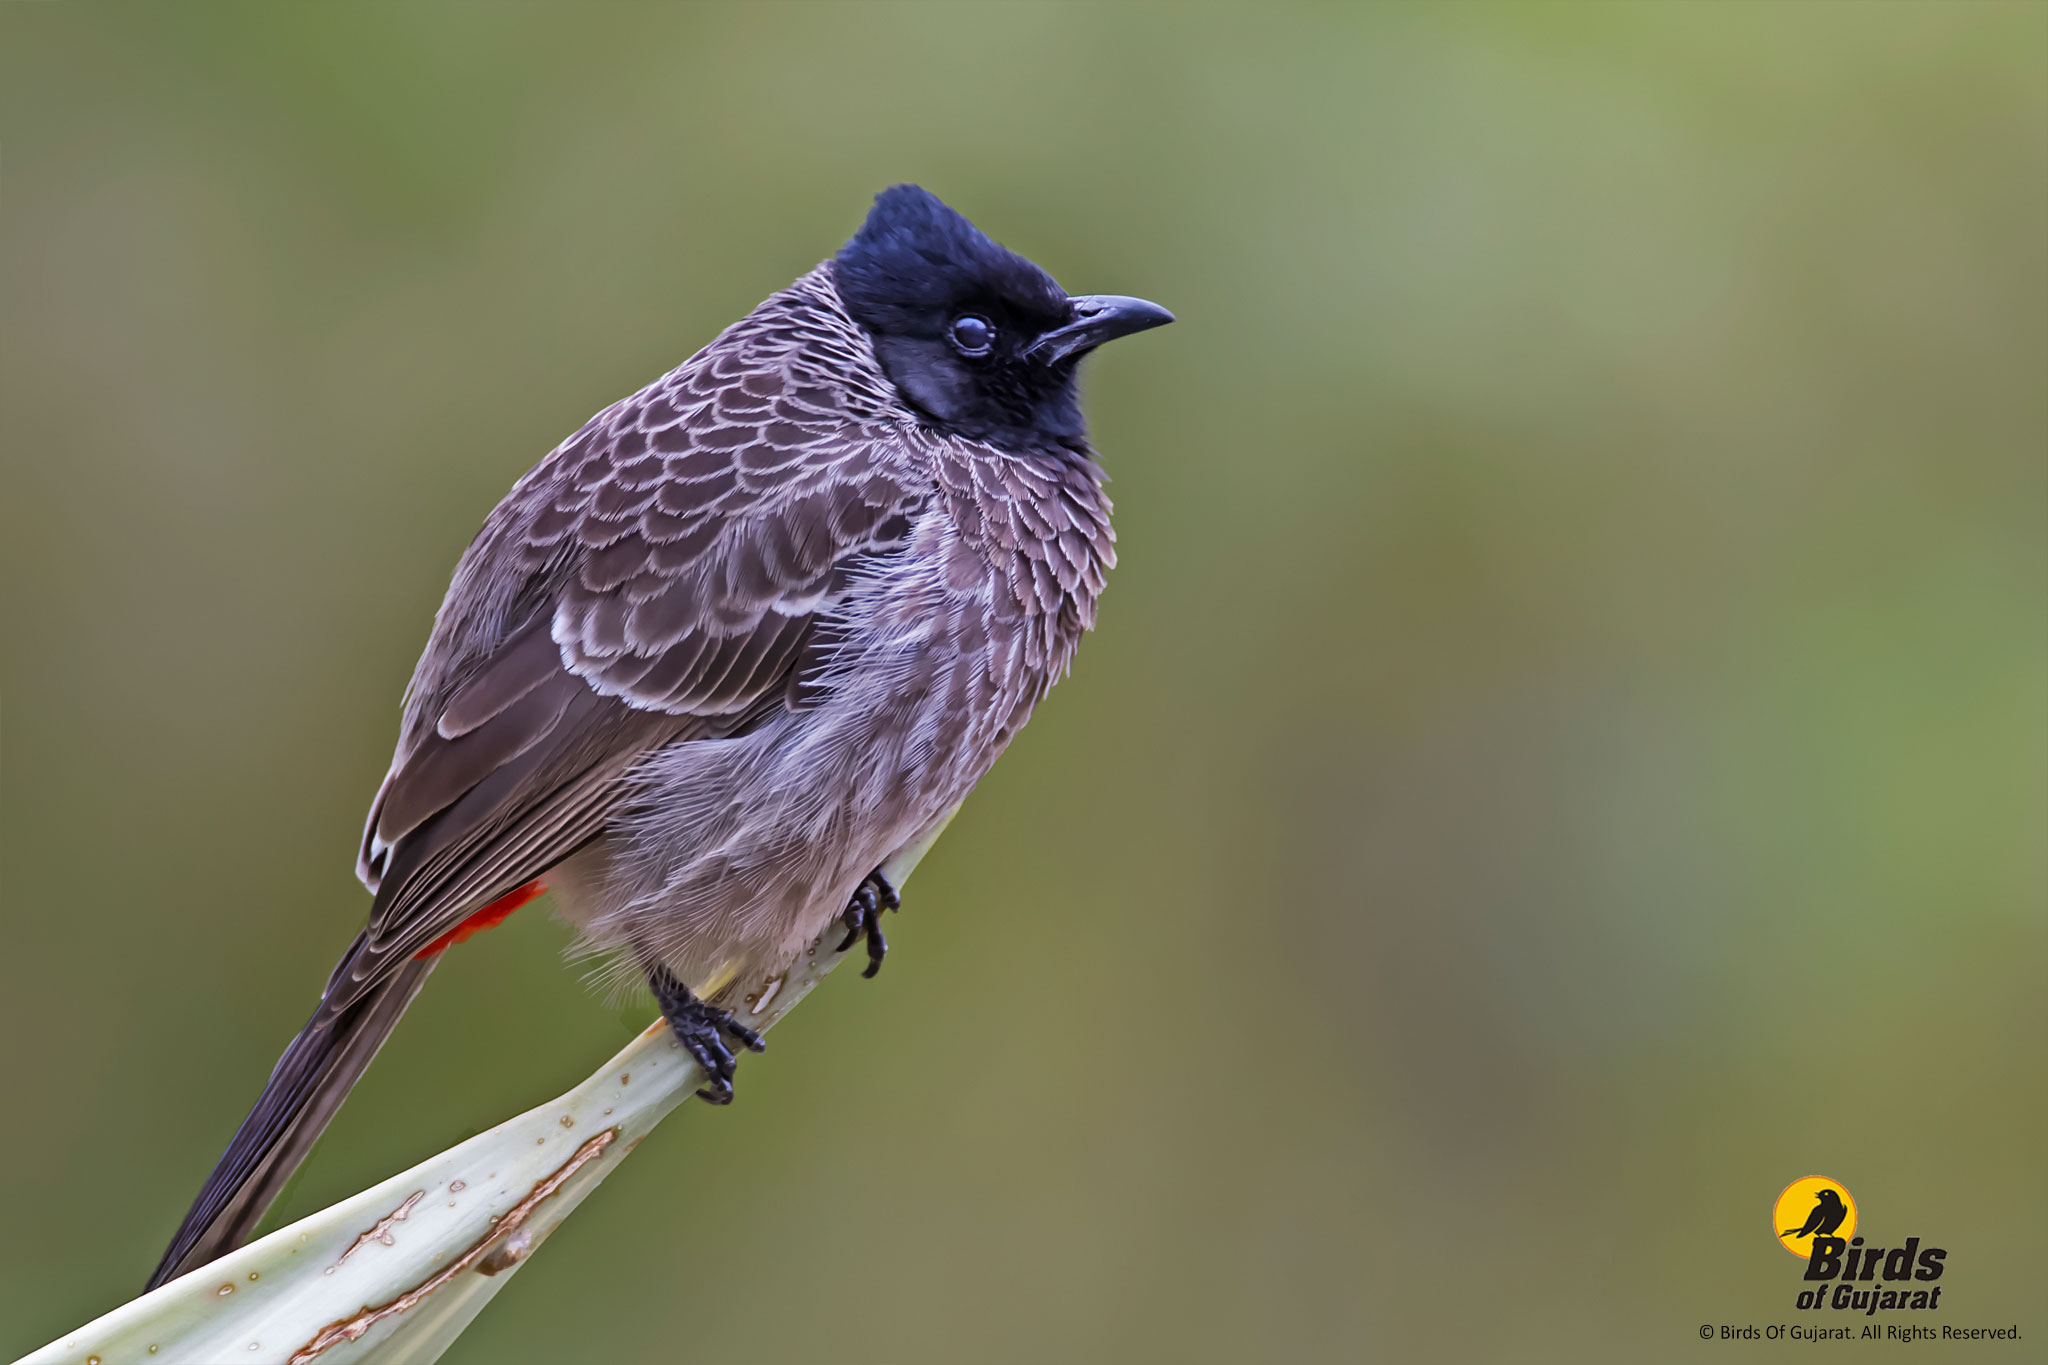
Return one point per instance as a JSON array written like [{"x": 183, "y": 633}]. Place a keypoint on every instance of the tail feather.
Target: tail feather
[{"x": 305, "y": 1089}]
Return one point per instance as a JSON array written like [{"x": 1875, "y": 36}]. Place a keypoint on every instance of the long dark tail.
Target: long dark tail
[{"x": 308, "y": 1085}]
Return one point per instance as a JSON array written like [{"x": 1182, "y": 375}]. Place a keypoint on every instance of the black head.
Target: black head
[{"x": 975, "y": 336}]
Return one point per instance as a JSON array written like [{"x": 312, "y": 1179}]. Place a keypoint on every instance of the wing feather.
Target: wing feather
[{"x": 654, "y": 581}]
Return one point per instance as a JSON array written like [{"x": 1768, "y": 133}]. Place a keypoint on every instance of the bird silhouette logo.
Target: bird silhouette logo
[
  {"x": 1812, "y": 1206},
  {"x": 1828, "y": 1213}
]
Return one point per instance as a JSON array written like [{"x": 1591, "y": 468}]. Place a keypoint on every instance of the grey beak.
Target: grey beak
[{"x": 1097, "y": 318}]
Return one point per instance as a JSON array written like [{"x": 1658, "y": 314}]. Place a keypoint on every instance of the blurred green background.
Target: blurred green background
[{"x": 1565, "y": 752}]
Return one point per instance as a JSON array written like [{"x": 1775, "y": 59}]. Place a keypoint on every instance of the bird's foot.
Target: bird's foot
[
  {"x": 863, "y": 917},
  {"x": 703, "y": 1029}
]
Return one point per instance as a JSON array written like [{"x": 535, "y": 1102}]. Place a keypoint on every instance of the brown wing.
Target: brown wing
[{"x": 653, "y": 581}]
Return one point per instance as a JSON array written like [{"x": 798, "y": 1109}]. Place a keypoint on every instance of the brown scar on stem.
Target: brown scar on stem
[
  {"x": 507, "y": 1253},
  {"x": 380, "y": 1231},
  {"x": 352, "y": 1329}
]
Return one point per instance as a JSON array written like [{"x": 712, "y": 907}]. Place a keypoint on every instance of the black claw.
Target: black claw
[
  {"x": 860, "y": 912},
  {"x": 878, "y": 948},
  {"x": 702, "y": 1030},
  {"x": 863, "y": 918}
]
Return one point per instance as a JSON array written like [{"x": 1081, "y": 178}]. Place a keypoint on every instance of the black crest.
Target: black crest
[{"x": 915, "y": 261}]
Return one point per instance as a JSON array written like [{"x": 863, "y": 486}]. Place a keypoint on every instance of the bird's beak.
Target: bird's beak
[{"x": 1097, "y": 318}]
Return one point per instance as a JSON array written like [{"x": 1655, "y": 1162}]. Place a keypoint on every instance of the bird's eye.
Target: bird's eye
[{"x": 973, "y": 335}]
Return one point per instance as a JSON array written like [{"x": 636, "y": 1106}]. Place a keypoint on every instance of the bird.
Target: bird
[
  {"x": 1828, "y": 1213},
  {"x": 714, "y": 659}
]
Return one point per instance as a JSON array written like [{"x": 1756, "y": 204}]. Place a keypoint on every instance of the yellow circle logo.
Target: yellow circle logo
[{"x": 1812, "y": 1206}]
